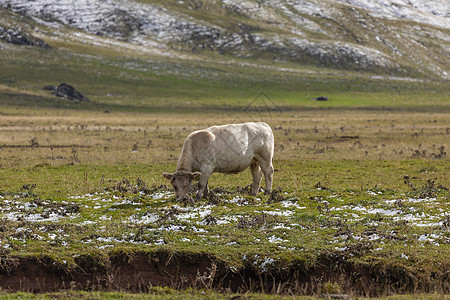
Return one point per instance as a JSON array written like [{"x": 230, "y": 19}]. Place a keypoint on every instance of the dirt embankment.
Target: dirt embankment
[{"x": 137, "y": 272}]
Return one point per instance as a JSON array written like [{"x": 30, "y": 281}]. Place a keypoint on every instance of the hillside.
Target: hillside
[{"x": 392, "y": 37}]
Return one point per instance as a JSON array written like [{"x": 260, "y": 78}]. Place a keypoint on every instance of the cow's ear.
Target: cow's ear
[
  {"x": 168, "y": 175},
  {"x": 196, "y": 175}
]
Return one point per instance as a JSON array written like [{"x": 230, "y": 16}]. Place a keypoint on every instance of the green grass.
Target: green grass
[
  {"x": 301, "y": 176},
  {"x": 140, "y": 83}
]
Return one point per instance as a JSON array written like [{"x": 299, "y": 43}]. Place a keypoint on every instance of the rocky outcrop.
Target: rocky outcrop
[
  {"x": 65, "y": 90},
  {"x": 19, "y": 37}
]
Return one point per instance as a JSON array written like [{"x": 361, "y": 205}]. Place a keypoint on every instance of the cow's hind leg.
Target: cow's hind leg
[
  {"x": 257, "y": 175},
  {"x": 267, "y": 169}
]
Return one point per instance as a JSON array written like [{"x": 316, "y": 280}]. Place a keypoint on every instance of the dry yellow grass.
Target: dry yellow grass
[{"x": 60, "y": 137}]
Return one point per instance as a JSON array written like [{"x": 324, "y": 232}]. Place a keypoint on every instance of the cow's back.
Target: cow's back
[{"x": 235, "y": 145}]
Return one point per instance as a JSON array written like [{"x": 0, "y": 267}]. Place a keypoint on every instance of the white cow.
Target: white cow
[{"x": 227, "y": 149}]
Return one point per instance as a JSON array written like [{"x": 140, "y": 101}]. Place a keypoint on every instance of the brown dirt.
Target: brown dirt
[{"x": 137, "y": 272}]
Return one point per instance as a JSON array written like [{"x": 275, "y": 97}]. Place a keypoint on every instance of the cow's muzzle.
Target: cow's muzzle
[{"x": 186, "y": 200}]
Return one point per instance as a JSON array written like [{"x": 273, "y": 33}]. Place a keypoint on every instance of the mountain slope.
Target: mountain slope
[{"x": 393, "y": 36}]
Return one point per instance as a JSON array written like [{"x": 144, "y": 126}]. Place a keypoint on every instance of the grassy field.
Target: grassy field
[{"x": 361, "y": 200}]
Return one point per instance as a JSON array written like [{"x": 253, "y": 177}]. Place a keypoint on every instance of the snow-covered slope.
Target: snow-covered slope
[
  {"x": 393, "y": 36},
  {"x": 432, "y": 12}
]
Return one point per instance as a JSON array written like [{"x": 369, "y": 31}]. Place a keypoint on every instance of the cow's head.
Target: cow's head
[{"x": 181, "y": 181}]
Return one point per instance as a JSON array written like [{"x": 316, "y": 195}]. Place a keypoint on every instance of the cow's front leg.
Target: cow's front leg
[
  {"x": 206, "y": 191},
  {"x": 203, "y": 186},
  {"x": 202, "y": 189}
]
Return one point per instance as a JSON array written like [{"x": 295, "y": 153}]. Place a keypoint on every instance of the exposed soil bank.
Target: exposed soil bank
[{"x": 138, "y": 272}]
